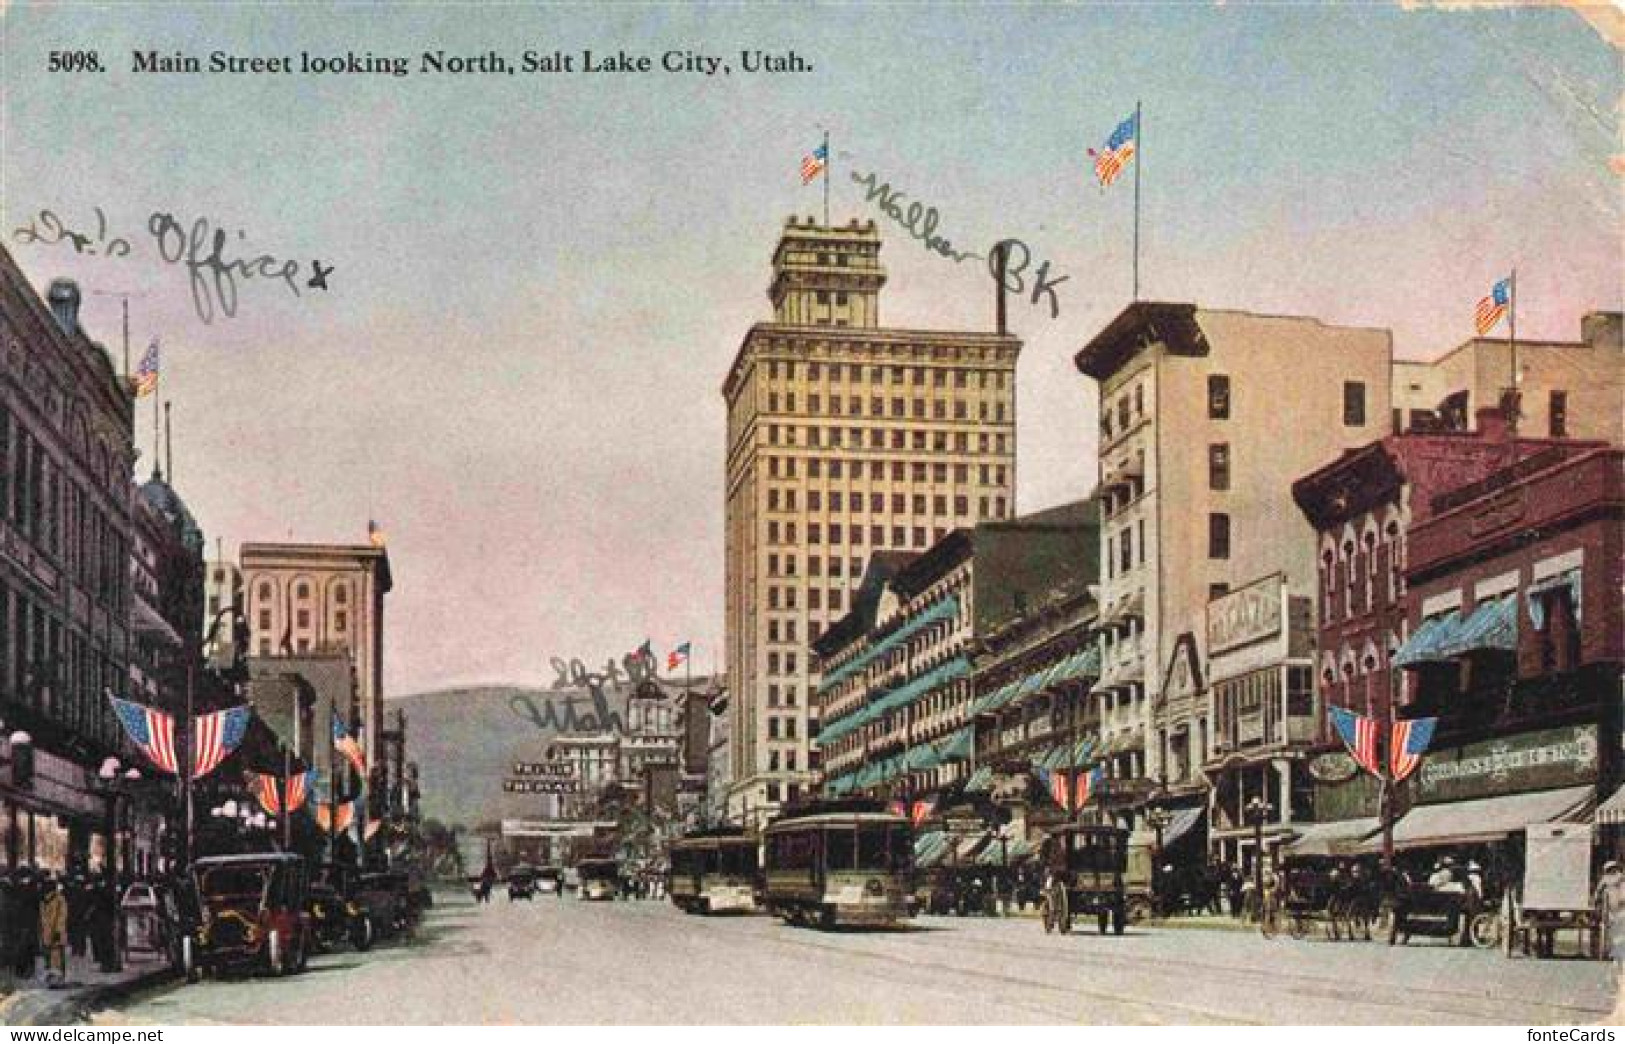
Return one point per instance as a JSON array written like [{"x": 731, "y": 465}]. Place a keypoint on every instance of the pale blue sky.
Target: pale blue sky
[{"x": 541, "y": 280}]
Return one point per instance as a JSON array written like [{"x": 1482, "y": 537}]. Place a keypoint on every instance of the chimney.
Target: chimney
[
  {"x": 63, "y": 297},
  {"x": 1493, "y": 424},
  {"x": 1603, "y": 330}
]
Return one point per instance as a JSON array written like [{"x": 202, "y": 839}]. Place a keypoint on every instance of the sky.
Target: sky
[{"x": 539, "y": 281}]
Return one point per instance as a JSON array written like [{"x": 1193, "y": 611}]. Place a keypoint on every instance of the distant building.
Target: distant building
[
  {"x": 307, "y": 599},
  {"x": 844, "y": 438},
  {"x": 1567, "y": 389},
  {"x": 223, "y": 599},
  {"x": 1206, "y": 418}
]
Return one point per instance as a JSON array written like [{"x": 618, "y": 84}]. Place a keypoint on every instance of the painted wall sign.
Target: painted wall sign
[{"x": 1242, "y": 617}]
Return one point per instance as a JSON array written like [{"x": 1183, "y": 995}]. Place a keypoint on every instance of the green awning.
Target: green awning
[
  {"x": 958, "y": 745},
  {"x": 943, "y": 610},
  {"x": 980, "y": 781}
]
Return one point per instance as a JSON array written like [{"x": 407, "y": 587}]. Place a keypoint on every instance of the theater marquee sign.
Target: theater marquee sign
[{"x": 1528, "y": 761}]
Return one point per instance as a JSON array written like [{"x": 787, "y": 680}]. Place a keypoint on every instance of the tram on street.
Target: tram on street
[
  {"x": 713, "y": 871},
  {"x": 840, "y": 863}
]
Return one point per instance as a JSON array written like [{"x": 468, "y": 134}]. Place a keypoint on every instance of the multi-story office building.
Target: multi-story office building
[
  {"x": 844, "y": 438},
  {"x": 1566, "y": 389},
  {"x": 898, "y": 695},
  {"x": 324, "y": 598},
  {"x": 1206, "y": 418},
  {"x": 66, "y": 496}
]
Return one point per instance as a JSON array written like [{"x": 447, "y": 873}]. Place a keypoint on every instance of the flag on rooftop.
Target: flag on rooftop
[
  {"x": 146, "y": 372},
  {"x": 814, "y": 164},
  {"x": 1493, "y": 306},
  {"x": 1118, "y": 151}
]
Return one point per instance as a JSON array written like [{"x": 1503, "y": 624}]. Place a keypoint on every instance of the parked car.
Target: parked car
[
  {"x": 337, "y": 918},
  {"x": 251, "y": 912},
  {"x": 550, "y": 880},
  {"x": 522, "y": 882},
  {"x": 390, "y": 902}
]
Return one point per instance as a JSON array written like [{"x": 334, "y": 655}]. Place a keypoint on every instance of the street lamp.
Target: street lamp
[
  {"x": 1258, "y": 811},
  {"x": 1158, "y": 818},
  {"x": 109, "y": 784}
]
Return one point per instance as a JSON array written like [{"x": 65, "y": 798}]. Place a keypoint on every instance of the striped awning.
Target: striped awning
[
  {"x": 980, "y": 781},
  {"x": 1493, "y": 625},
  {"x": 943, "y": 610},
  {"x": 1430, "y": 641},
  {"x": 1612, "y": 811}
]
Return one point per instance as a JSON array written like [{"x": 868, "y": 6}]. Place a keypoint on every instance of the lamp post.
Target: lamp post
[
  {"x": 20, "y": 754},
  {"x": 110, "y": 784},
  {"x": 1258, "y": 810},
  {"x": 1158, "y": 818}
]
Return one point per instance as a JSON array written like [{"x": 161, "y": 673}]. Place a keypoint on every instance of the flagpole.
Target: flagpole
[
  {"x": 828, "y": 159},
  {"x": 1139, "y": 160},
  {"x": 1512, "y": 330}
]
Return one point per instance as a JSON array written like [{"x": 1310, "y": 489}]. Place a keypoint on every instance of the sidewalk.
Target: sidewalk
[{"x": 32, "y": 1004}]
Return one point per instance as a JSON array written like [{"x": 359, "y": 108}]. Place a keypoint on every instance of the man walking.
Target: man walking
[{"x": 53, "y": 933}]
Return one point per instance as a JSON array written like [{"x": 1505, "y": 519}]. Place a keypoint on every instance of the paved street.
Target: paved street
[{"x": 565, "y": 961}]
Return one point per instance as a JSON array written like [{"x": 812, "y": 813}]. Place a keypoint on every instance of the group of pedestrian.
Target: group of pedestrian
[{"x": 55, "y": 918}]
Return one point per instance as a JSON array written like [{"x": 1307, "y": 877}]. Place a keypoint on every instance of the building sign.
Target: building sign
[
  {"x": 1529, "y": 761},
  {"x": 1248, "y": 615},
  {"x": 555, "y": 827},
  {"x": 542, "y": 777},
  {"x": 1333, "y": 767}
]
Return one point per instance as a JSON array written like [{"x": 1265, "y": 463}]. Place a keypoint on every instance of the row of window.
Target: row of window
[
  {"x": 922, "y": 441},
  {"x": 897, "y": 374},
  {"x": 902, "y": 537},
  {"x": 56, "y": 671},
  {"x": 60, "y": 517},
  {"x": 900, "y": 471},
  {"x": 900, "y": 502},
  {"x": 816, "y": 566},
  {"x": 852, "y": 406},
  {"x": 302, "y": 591}
]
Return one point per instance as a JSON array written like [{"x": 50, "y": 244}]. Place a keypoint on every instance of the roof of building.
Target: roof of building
[
  {"x": 882, "y": 567},
  {"x": 161, "y": 496},
  {"x": 273, "y": 550}
]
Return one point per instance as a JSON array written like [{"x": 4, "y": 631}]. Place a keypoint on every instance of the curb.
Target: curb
[{"x": 66, "y": 1007}]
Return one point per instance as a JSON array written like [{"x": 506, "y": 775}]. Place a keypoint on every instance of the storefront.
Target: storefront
[
  {"x": 54, "y": 819},
  {"x": 1472, "y": 802}
]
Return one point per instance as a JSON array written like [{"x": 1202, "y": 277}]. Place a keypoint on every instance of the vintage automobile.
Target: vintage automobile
[
  {"x": 713, "y": 871},
  {"x": 336, "y": 918},
  {"x": 387, "y": 898},
  {"x": 839, "y": 863},
  {"x": 1083, "y": 868},
  {"x": 550, "y": 880},
  {"x": 522, "y": 882},
  {"x": 251, "y": 912},
  {"x": 600, "y": 878}
]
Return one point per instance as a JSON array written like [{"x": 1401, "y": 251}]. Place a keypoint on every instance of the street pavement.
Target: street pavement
[{"x": 565, "y": 961}]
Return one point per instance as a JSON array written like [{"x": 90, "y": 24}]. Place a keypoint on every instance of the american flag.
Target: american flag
[
  {"x": 347, "y": 745},
  {"x": 1493, "y": 307},
  {"x": 922, "y": 810},
  {"x": 1118, "y": 150},
  {"x": 645, "y": 652},
  {"x": 677, "y": 657},
  {"x": 215, "y": 736},
  {"x": 1359, "y": 734},
  {"x": 1088, "y": 783},
  {"x": 268, "y": 793},
  {"x": 298, "y": 787},
  {"x": 336, "y": 820},
  {"x": 272, "y": 796},
  {"x": 814, "y": 164},
  {"x": 1410, "y": 742},
  {"x": 146, "y": 371},
  {"x": 1059, "y": 786},
  {"x": 151, "y": 730}
]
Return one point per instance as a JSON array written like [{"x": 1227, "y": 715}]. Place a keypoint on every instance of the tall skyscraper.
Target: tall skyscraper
[{"x": 844, "y": 438}]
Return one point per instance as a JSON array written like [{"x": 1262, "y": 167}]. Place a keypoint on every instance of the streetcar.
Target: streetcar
[
  {"x": 713, "y": 871},
  {"x": 600, "y": 878},
  {"x": 838, "y": 864}
]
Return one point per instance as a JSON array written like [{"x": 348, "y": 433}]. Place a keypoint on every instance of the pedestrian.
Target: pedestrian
[
  {"x": 26, "y": 950},
  {"x": 79, "y": 906},
  {"x": 1610, "y": 904},
  {"x": 53, "y": 932},
  {"x": 104, "y": 909}
]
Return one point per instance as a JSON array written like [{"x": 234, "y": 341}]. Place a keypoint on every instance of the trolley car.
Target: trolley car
[
  {"x": 840, "y": 865},
  {"x": 713, "y": 872}
]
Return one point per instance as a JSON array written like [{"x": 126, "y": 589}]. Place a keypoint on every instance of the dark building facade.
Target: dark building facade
[{"x": 66, "y": 458}]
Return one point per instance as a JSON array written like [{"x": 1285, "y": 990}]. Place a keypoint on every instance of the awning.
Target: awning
[
  {"x": 1184, "y": 819},
  {"x": 149, "y": 621},
  {"x": 1428, "y": 643},
  {"x": 943, "y": 610},
  {"x": 1493, "y": 625},
  {"x": 1612, "y": 811},
  {"x": 1570, "y": 581},
  {"x": 1337, "y": 838},
  {"x": 980, "y": 780},
  {"x": 1484, "y": 819}
]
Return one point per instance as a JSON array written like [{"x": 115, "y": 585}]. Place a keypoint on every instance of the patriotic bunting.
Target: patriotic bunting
[
  {"x": 1088, "y": 783},
  {"x": 215, "y": 736},
  {"x": 922, "y": 810},
  {"x": 274, "y": 798},
  {"x": 347, "y": 745},
  {"x": 1410, "y": 742},
  {"x": 337, "y": 819},
  {"x": 1359, "y": 734},
  {"x": 151, "y": 730}
]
